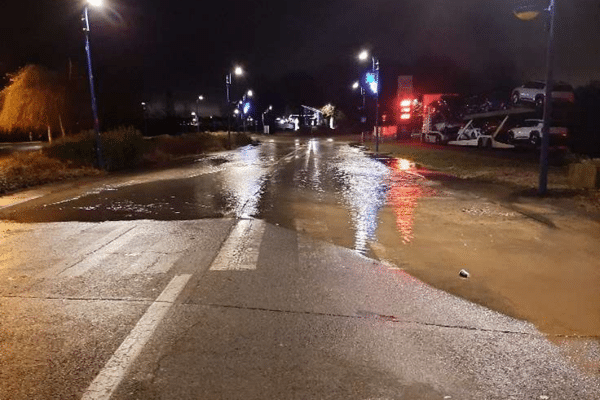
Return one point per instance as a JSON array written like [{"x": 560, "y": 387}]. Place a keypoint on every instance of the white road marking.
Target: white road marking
[
  {"x": 115, "y": 369},
  {"x": 62, "y": 268},
  {"x": 93, "y": 260},
  {"x": 241, "y": 249}
]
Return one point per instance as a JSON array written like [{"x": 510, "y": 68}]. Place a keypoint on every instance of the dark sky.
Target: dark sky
[{"x": 142, "y": 48}]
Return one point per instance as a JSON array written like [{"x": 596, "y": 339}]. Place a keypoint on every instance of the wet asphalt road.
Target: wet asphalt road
[
  {"x": 286, "y": 183},
  {"x": 211, "y": 287}
]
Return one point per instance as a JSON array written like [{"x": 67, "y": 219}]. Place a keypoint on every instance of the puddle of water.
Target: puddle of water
[{"x": 406, "y": 189}]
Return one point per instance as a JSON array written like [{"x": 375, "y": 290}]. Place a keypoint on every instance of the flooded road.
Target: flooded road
[
  {"x": 224, "y": 278},
  {"x": 386, "y": 209},
  {"x": 315, "y": 186}
]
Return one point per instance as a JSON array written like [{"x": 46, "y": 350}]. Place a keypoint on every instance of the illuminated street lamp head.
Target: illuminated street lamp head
[
  {"x": 250, "y": 93},
  {"x": 201, "y": 97},
  {"x": 236, "y": 111},
  {"x": 364, "y": 55},
  {"x": 95, "y": 3},
  {"x": 355, "y": 85},
  {"x": 527, "y": 12},
  {"x": 238, "y": 71}
]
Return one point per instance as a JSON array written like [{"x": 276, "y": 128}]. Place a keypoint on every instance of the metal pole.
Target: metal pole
[
  {"x": 145, "y": 119},
  {"x": 86, "y": 29},
  {"x": 228, "y": 108},
  {"x": 376, "y": 69},
  {"x": 197, "y": 116},
  {"x": 543, "y": 187}
]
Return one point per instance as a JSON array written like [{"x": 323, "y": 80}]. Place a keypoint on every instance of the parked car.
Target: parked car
[
  {"x": 534, "y": 92},
  {"x": 531, "y": 132}
]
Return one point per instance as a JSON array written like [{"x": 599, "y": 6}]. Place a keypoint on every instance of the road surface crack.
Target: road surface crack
[{"x": 362, "y": 315}]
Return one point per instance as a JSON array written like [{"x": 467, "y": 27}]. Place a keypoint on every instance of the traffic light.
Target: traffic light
[
  {"x": 372, "y": 79},
  {"x": 406, "y": 109},
  {"x": 246, "y": 107}
]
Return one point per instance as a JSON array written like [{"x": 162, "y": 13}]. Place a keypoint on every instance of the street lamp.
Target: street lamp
[
  {"x": 144, "y": 109},
  {"x": 526, "y": 13},
  {"x": 86, "y": 30},
  {"x": 198, "y": 100},
  {"x": 375, "y": 86},
  {"x": 238, "y": 71},
  {"x": 363, "y": 117},
  {"x": 263, "y": 117}
]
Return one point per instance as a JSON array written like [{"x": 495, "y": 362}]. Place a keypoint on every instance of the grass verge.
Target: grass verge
[{"x": 124, "y": 148}]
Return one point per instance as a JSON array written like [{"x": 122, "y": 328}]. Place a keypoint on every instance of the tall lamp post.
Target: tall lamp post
[
  {"x": 86, "y": 30},
  {"x": 198, "y": 100},
  {"x": 144, "y": 110},
  {"x": 238, "y": 71},
  {"x": 263, "y": 117},
  {"x": 375, "y": 86},
  {"x": 363, "y": 117},
  {"x": 529, "y": 12}
]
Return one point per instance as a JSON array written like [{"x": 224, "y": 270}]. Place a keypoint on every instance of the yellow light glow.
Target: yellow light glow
[
  {"x": 95, "y": 3},
  {"x": 526, "y": 15},
  {"x": 238, "y": 71},
  {"x": 363, "y": 55}
]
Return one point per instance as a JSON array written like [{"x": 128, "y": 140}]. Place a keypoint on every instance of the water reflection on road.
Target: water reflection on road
[
  {"x": 365, "y": 183},
  {"x": 331, "y": 188},
  {"x": 245, "y": 179},
  {"x": 406, "y": 189}
]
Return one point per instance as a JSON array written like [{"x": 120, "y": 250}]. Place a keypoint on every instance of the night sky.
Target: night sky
[{"x": 144, "y": 48}]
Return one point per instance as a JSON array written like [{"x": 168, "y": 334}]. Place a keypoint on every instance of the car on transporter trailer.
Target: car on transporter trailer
[
  {"x": 534, "y": 92},
  {"x": 531, "y": 132}
]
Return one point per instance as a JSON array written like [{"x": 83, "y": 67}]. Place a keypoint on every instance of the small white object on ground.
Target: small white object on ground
[{"x": 464, "y": 274}]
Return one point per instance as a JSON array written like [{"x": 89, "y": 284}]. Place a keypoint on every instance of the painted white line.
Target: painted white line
[
  {"x": 115, "y": 369},
  {"x": 120, "y": 239},
  {"x": 80, "y": 255},
  {"x": 241, "y": 249}
]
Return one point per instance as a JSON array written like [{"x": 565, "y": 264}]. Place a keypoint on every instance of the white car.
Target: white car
[
  {"x": 531, "y": 132},
  {"x": 535, "y": 91}
]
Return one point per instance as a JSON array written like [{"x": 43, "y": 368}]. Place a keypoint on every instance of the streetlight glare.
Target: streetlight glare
[
  {"x": 238, "y": 71},
  {"x": 355, "y": 85},
  {"x": 364, "y": 55},
  {"x": 95, "y": 3},
  {"x": 250, "y": 93},
  {"x": 200, "y": 97}
]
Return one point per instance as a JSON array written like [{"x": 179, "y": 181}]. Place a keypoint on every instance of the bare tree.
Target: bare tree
[{"x": 35, "y": 99}]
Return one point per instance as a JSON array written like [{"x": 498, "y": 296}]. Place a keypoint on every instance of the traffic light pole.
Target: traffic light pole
[
  {"x": 228, "y": 108},
  {"x": 376, "y": 70}
]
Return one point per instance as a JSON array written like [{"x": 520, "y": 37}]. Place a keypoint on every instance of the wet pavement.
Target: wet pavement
[
  {"x": 222, "y": 278},
  {"x": 276, "y": 181}
]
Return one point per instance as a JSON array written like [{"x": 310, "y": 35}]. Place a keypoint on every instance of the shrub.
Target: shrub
[
  {"x": 22, "y": 170},
  {"x": 121, "y": 148}
]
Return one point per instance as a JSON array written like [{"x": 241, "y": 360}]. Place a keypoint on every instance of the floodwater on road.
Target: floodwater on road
[{"x": 385, "y": 209}]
